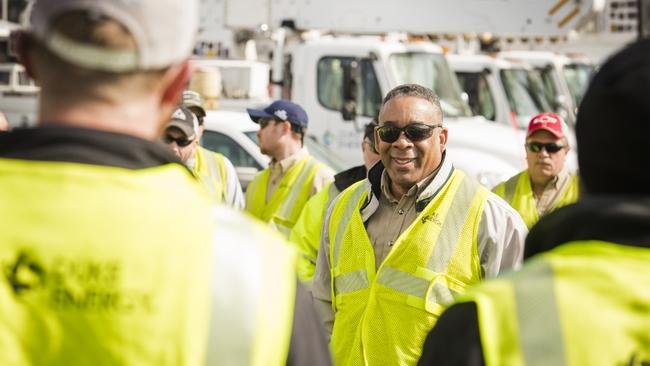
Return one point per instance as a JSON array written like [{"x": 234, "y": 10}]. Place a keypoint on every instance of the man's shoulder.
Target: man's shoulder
[
  {"x": 315, "y": 163},
  {"x": 207, "y": 152},
  {"x": 616, "y": 219},
  {"x": 512, "y": 180},
  {"x": 58, "y": 143}
]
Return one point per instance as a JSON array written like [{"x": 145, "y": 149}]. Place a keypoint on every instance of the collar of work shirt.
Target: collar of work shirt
[{"x": 425, "y": 190}]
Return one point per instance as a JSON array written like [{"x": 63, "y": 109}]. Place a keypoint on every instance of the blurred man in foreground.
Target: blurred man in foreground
[{"x": 102, "y": 261}]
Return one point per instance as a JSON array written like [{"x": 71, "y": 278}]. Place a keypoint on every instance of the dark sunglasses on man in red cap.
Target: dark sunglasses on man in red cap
[{"x": 551, "y": 147}]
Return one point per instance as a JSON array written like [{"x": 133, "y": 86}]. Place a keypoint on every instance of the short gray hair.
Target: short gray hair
[{"x": 414, "y": 90}]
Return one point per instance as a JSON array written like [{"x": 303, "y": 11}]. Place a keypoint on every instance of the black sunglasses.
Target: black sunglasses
[
  {"x": 263, "y": 122},
  {"x": 414, "y": 132},
  {"x": 550, "y": 147},
  {"x": 180, "y": 141}
]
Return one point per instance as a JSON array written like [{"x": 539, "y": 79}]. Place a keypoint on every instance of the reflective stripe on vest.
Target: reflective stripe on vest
[
  {"x": 532, "y": 318},
  {"x": 254, "y": 308},
  {"x": 332, "y": 192},
  {"x": 582, "y": 303},
  {"x": 286, "y": 203},
  {"x": 211, "y": 170},
  {"x": 432, "y": 260},
  {"x": 510, "y": 188},
  {"x": 307, "y": 174}
]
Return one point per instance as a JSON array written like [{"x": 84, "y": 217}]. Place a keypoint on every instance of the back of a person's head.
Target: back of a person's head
[
  {"x": 108, "y": 49},
  {"x": 612, "y": 126}
]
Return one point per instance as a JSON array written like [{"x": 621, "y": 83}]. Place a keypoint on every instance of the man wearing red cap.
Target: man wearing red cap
[{"x": 546, "y": 184}]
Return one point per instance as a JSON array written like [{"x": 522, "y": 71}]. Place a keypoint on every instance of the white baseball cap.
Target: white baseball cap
[{"x": 164, "y": 31}]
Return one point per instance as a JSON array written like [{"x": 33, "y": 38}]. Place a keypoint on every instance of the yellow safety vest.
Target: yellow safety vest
[
  {"x": 254, "y": 304},
  {"x": 103, "y": 265},
  {"x": 306, "y": 234},
  {"x": 518, "y": 192},
  {"x": 583, "y": 303},
  {"x": 383, "y": 316},
  {"x": 286, "y": 203},
  {"x": 210, "y": 168}
]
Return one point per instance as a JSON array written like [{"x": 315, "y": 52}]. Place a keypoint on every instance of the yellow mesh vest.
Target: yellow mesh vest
[
  {"x": 382, "y": 317},
  {"x": 518, "y": 192},
  {"x": 306, "y": 234},
  {"x": 284, "y": 207},
  {"x": 583, "y": 303},
  {"x": 210, "y": 168},
  {"x": 103, "y": 265}
]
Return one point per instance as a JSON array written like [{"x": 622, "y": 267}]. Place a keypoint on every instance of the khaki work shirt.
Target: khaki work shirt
[
  {"x": 393, "y": 216},
  {"x": 552, "y": 192}
]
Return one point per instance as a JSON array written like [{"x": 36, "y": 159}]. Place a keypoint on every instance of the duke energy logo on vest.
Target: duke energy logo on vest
[{"x": 77, "y": 284}]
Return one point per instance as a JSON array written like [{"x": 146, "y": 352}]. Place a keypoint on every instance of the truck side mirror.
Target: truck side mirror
[
  {"x": 562, "y": 103},
  {"x": 351, "y": 82}
]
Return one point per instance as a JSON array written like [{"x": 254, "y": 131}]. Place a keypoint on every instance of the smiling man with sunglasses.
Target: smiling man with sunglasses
[
  {"x": 547, "y": 184},
  {"x": 399, "y": 245}
]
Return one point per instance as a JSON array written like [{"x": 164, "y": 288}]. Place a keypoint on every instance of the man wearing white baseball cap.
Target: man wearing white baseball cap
[
  {"x": 101, "y": 263},
  {"x": 546, "y": 184}
]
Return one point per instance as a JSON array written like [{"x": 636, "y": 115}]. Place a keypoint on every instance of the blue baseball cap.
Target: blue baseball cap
[{"x": 282, "y": 110}]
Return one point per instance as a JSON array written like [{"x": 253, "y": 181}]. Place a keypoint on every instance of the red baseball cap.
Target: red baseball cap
[{"x": 550, "y": 122}]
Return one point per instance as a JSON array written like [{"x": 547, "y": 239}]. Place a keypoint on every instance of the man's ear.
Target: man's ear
[
  {"x": 173, "y": 84},
  {"x": 443, "y": 138},
  {"x": 169, "y": 92},
  {"x": 286, "y": 127}
]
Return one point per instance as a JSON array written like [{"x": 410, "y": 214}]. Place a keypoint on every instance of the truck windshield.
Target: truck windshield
[
  {"x": 430, "y": 70},
  {"x": 525, "y": 92},
  {"x": 546, "y": 74},
  {"x": 577, "y": 77}
]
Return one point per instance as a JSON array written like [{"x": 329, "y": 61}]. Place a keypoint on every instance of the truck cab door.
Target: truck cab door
[{"x": 340, "y": 97}]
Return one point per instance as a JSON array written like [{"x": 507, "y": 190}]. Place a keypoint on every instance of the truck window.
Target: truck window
[
  {"x": 223, "y": 144},
  {"x": 480, "y": 98},
  {"x": 546, "y": 74},
  {"x": 330, "y": 84},
  {"x": 577, "y": 78},
  {"x": 523, "y": 91},
  {"x": 430, "y": 70},
  {"x": 5, "y": 77},
  {"x": 24, "y": 79}
]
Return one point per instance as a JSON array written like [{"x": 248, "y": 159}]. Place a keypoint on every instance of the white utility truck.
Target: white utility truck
[
  {"x": 339, "y": 58},
  {"x": 507, "y": 92},
  {"x": 565, "y": 79}
]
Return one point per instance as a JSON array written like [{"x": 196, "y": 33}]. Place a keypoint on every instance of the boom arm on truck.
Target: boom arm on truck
[{"x": 502, "y": 17}]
